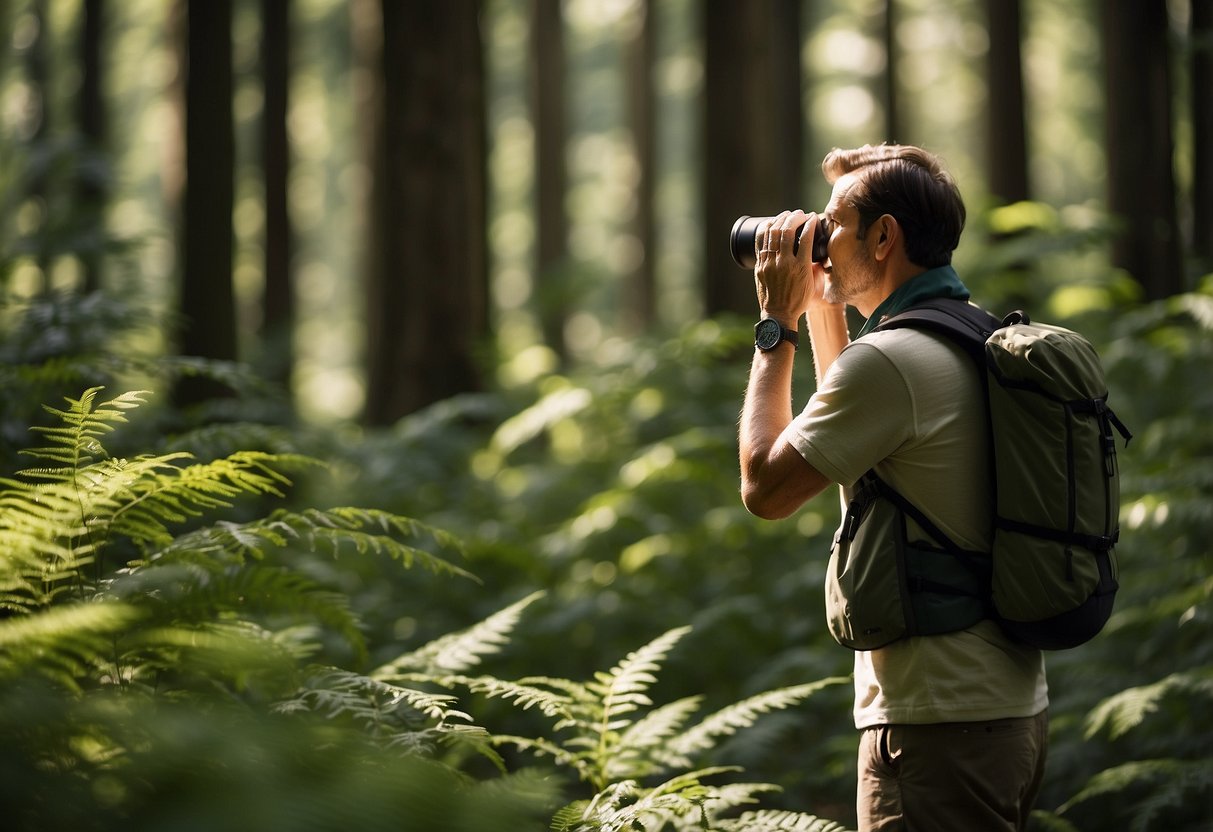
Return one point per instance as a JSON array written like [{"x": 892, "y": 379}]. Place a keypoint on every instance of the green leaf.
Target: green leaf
[{"x": 457, "y": 652}]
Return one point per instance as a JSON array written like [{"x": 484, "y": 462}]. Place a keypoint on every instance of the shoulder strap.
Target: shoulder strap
[{"x": 967, "y": 325}]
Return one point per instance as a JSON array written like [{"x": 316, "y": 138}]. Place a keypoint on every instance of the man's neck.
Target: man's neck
[{"x": 892, "y": 279}]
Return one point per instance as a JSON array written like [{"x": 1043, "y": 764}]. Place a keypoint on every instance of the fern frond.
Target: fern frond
[
  {"x": 541, "y": 747},
  {"x": 208, "y": 651},
  {"x": 743, "y": 714},
  {"x": 779, "y": 821},
  {"x": 622, "y": 689},
  {"x": 571, "y": 818},
  {"x": 331, "y": 530},
  {"x": 731, "y": 795},
  {"x": 365, "y": 531},
  {"x": 1167, "y": 783},
  {"x": 524, "y": 696},
  {"x": 63, "y": 643},
  {"x": 76, "y": 443},
  {"x": 182, "y": 592},
  {"x": 150, "y": 493},
  {"x": 625, "y": 805},
  {"x": 457, "y": 652},
  {"x": 1125, "y": 710},
  {"x": 336, "y": 693},
  {"x": 641, "y": 747}
]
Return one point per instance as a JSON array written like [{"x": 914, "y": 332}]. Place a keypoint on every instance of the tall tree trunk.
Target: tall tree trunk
[
  {"x": 37, "y": 68},
  {"x": 641, "y": 306},
  {"x": 207, "y": 305},
  {"x": 1006, "y": 142},
  {"x": 91, "y": 185},
  {"x": 278, "y": 303},
  {"x": 894, "y": 131},
  {"x": 428, "y": 295},
  {"x": 547, "y": 90},
  {"x": 1202, "y": 133},
  {"x": 1141, "y": 184},
  {"x": 753, "y": 131}
]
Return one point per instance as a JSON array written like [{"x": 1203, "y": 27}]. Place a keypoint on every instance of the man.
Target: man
[{"x": 953, "y": 726}]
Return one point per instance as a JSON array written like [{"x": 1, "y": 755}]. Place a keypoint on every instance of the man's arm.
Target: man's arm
[{"x": 775, "y": 479}]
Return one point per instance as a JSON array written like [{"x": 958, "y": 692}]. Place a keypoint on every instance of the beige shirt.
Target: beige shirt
[{"x": 909, "y": 405}]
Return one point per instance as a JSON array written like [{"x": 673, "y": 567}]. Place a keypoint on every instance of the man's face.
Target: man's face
[{"x": 851, "y": 270}]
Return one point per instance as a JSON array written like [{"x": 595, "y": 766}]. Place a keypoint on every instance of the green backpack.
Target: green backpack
[{"x": 1051, "y": 577}]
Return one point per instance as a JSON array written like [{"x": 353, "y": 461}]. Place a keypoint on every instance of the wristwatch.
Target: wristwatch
[{"x": 768, "y": 333}]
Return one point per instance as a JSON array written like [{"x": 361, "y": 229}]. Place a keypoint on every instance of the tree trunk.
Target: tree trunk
[
  {"x": 753, "y": 131},
  {"x": 547, "y": 74},
  {"x": 37, "y": 67},
  {"x": 1006, "y": 142},
  {"x": 1141, "y": 185},
  {"x": 428, "y": 293},
  {"x": 278, "y": 301},
  {"x": 207, "y": 305},
  {"x": 892, "y": 111},
  {"x": 91, "y": 186},
  {"x": 641, "y": 306},
  {"x": 1202, "y": 134}
]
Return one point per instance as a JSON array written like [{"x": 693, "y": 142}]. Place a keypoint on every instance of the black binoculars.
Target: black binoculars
[{"x": 741, "y": 240}]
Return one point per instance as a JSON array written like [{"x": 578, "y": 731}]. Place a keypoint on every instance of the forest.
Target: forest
[{"x": 371, "y": 373}]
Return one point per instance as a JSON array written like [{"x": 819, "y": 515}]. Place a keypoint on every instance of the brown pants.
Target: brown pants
[{"x": 964, "y": 776}]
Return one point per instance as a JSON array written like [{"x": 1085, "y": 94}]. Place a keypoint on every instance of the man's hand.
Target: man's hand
[{"x": 787, "y": 284}]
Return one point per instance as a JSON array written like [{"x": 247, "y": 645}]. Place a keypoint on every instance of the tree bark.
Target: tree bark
[
  {"x": 91, "y": 184},
  {"x": 1006, "y": 142},
  {"x": 207, "y": 303},
  {"x": 428, "y": 292},
  {"x": 641, "y": 312},
  {"x": 547, "y": 90},
  {"x": 1202, "y": 134},
  {"x": 278, "y": 299},
  {"x": 753, "y": 131},
  {"x": 894, "y": 132},
  {"x": 1141, "y": 184}
]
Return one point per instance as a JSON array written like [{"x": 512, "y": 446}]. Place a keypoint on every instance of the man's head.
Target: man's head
[{"x": 910, "y": 185}]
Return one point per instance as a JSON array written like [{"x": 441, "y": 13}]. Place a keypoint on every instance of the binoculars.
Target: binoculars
[{"x": 741, "y": 240}]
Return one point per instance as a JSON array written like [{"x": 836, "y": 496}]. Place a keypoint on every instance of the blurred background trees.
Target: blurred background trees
[
  {"x": 609, "y": 147},
  {"x": 474, "y": 257}
]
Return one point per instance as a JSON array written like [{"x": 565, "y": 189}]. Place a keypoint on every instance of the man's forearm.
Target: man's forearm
[
  {"x": 828, "y": 336},
  {"x": 768, "y": 405}
]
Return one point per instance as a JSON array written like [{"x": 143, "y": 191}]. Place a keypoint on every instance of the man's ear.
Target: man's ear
[{"x": 885, "y": 232}]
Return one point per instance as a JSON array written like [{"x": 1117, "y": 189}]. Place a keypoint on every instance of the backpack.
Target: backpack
[{"x": 1051, "y": 576}]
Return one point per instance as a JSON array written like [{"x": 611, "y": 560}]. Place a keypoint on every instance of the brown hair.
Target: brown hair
[{"x": 912, "y": 186}]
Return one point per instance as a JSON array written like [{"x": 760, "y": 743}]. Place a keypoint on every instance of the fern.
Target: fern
[
  {"x": 381, "y": 707},
  {"x": 197, "y": 592},
  {"x": 1164, "y": 784},
  {"x": 743, "y": 714},
  {"x": 779, "y": 821},
  {"x": 65, "y": 644},
  {"x": 1125, "y": 710},
  {"x": 335, "y": 531},
  {"x": 76, "y": 443},
  {"x": 460, "y": 651},
  {"x": 606, "y": 732}
]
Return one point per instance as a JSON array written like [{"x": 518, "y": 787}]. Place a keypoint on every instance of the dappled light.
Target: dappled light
[{"x": 369, "y": 437}]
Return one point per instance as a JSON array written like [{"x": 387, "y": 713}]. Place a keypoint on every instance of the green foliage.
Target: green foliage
[
  {"x": 128, "y": 612},
  {"x": 156, "y": 675},
  {"x": 606, "y": 731}
]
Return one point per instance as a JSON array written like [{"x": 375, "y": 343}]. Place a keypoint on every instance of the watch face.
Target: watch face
[{"x": 766, "y": 334}]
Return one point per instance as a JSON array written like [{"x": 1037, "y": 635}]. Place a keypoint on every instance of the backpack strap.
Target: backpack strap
[
  {"x": 870, "y": 487},
  {"x": 971, "y": 559},
  {"x": 958, "y": 320}
]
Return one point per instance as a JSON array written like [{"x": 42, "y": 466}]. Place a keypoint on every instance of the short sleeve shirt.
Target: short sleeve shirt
[{"x": 908, "y": 405}]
